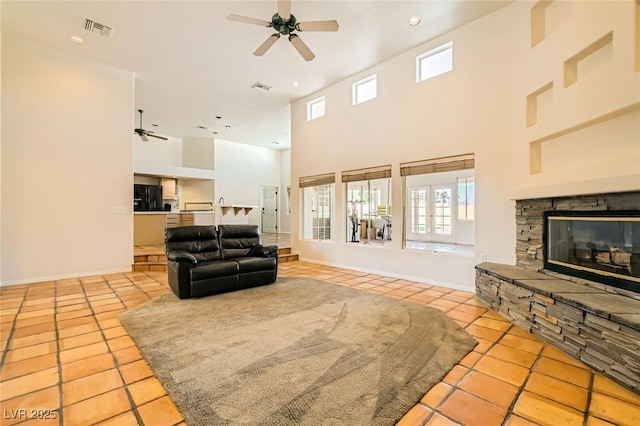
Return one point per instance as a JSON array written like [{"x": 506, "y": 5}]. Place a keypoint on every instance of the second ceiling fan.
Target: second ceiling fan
[{"x": 286, "y": 24}]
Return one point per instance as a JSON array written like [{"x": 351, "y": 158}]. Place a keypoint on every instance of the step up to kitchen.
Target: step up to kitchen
[{"x": 158, "y": 262}]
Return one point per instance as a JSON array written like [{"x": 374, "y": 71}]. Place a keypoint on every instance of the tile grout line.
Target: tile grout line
[
  {"x": 592, "y": 378},
  {"x": 109, "y": 351},
  {"x": 132, "y": 403},
  {"x": 134, "y": 410},
  {"x": 5, "y": 352},
  {"x": 117, "y": 365},
  {"x": 514, "y": 401},
  {"x": 58, "y": 350}
]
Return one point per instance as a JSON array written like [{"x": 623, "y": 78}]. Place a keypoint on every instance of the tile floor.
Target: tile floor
[{"x": 63, "y": 349}]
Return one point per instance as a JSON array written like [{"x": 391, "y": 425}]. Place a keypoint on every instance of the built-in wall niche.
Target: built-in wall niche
[
  {"x": 546, "y": 16},
  {"x": 537, "y": 103},
  {"x": 595, "y": 56},
  {"x": 585, "y": 137}
]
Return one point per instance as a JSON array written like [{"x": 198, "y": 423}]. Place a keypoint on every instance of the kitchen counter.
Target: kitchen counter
[
  {"x": 179, "y": 212},
  {"x": 161, "y": 212},
  {"x": 232, "y": 213},
  {"x": 196, "y": 211}
]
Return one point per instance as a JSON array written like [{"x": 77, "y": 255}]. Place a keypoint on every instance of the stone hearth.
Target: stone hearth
[{"x": 600, "y": 328}]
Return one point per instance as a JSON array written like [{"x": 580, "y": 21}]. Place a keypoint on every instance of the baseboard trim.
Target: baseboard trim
[
  {"x": 34, "y": 280},
  {"x": 454, "y": 286}
]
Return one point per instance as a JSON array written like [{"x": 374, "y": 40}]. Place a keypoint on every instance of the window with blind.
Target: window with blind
[
  {"x": 440, "y": 200},
  {"x": 317, "y": 195},
  {"x": 368, "y": 201}
]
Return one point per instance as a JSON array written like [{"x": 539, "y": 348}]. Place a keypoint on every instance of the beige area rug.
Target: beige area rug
[{"x": 296, "y": 352}]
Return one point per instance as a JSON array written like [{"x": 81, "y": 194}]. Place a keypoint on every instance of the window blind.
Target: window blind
[
  {"x": 366, "y": 174},
  {"x": 437, "y": 165},
  {"x": 316, "y": 180}
]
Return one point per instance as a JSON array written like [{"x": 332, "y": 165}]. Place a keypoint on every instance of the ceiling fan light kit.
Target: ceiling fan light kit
[{"x": 286, "y": 24}]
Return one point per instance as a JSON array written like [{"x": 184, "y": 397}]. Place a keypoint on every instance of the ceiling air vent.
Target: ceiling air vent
[
  {"x": 261, "y": 86},
  {"x": 96, "y": 27}
]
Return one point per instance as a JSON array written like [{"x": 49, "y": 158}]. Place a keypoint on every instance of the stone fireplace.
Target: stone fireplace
[
  {"x": 580, "y": 292},
  {"x": 530, "y": 234}
]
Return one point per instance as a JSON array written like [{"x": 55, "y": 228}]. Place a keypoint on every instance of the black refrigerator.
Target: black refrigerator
[{"x": 147, "y": 198}]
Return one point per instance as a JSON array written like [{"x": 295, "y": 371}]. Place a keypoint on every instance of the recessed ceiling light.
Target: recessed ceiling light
[
  {"x": 215, "y": 133},
  {"x": 76, "y": 39},
  {"x": 414, "y": 21},
  {"x": 202, "y": 127},
  {"x": 154, "y": 125},
  {"x": 275, "y": 143},
  {"x": 295, "y": 84},
  {"x": 218, "y": 117}
]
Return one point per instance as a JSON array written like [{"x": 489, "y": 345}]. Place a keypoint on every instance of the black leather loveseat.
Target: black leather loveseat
[{"x": 203, "y": 260}]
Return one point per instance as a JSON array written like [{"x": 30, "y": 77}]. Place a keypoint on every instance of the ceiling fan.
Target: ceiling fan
[
  {"x": 286, "y": 24},
  {"x": 144, "y": 133}
]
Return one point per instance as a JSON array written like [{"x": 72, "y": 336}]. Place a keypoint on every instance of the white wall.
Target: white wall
[
  {"x": 447, "y": 115},
  {"x": 240, "y": 169},
  {"x": 66, "y": 163},
  {"x": 198, "y": 153},
  {"x": 1, "y": 209},
  {"x": 174, "y": 157},
  {"x": 479, "y": 108},
  {"x": 157, "y": 156},
  {"x": 196, "y": 191},
  {"x": 285, "y": 180}
]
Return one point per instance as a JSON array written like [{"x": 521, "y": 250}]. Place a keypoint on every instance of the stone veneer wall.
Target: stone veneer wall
[
  {"x": 600, "y": 328},
  {"x": 530, "y": 226}
]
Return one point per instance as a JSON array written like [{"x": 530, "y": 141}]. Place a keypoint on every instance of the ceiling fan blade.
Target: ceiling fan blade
[
  {"x": 284, "y": 9},
  {"x": 302, "y": 48},
  {"x": 262, "y": 49},
  {"x": 157, "y": 136},
  {"x": 143, "y": 137},
  {"x": 318, "y": 26},
  {"x": 248, "y": 20}
]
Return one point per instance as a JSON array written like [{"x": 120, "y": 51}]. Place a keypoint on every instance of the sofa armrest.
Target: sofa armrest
[
  {"x": 180, "y": 278},
  {"x": 182, "y": 256},
  {"x": 264, "y": 251}
]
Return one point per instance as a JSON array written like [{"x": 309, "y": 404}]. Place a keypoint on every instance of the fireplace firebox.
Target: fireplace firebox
[{"x": 601, "y": 246}]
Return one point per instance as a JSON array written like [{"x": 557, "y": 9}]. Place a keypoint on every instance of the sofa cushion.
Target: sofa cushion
[
  {"x": 237, "y": 240},
  {"x": 200, "y": 241},
  {"x": 255, "y": 264},
  {"x": 218, "y": 268}
]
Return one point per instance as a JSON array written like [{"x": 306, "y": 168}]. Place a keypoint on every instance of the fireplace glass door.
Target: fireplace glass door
[{"x": 600, "y": 246}]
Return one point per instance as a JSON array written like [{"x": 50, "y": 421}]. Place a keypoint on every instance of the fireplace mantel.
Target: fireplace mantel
[{"x": 586, "y": 187}]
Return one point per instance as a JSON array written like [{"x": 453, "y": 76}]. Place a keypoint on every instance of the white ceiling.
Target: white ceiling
[{"x": 192, "y": 64}]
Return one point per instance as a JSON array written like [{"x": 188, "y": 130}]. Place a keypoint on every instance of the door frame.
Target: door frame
[
  {"x": 430, "y": 235},
  {"x": 277, "y": 187}
]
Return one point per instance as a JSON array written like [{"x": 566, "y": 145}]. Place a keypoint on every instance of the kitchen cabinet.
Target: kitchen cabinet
[
  {"x": 186, "y": 219},
  {"x": 169, "y": 189},
  {"x": 148, "y": 228}
]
